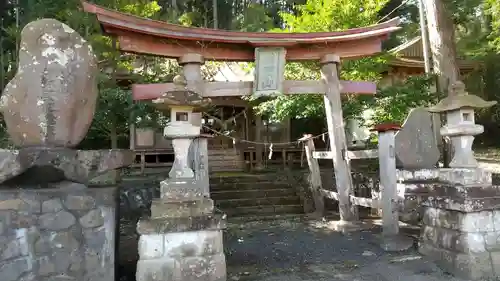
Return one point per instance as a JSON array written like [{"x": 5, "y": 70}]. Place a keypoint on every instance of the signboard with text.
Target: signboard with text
[{"x": 269, "y": 70}]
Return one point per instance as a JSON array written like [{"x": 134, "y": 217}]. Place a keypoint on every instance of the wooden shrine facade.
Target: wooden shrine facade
[
  {"x": 192, "y": 46},
  {"x": 409, "y": 61}
]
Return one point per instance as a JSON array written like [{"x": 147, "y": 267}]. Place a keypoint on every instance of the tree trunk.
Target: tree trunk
[
  {"x": 444, "y": 58},
  {"x": 215, "y": 14},
  {"x": 174, "y": 9},
  {"x": 442, "y": 44},
  {"x": 113, "y": 135}
]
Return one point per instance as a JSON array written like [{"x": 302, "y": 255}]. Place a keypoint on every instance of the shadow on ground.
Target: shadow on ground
[{"x": 307, "y": 250}]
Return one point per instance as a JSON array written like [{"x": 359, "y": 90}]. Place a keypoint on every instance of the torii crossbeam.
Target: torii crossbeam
[{"x": 145, "y": 36}]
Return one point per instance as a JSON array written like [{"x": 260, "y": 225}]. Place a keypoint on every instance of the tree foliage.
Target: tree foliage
[
  {"x": 325, "y": 15},
  {"x": 394, "y": 102},
  {"x": 477, "y": 28}
]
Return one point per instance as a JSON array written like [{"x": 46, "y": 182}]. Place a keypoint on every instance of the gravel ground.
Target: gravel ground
[
  {"x": 494, "y": 167},
  {"x": 295, "y": 249},
  {"x": 312, "y": 251},
  {"x": 288, "y": 250}
]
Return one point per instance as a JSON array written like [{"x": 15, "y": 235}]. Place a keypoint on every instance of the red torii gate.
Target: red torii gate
[{"x": 191, "y": 46}]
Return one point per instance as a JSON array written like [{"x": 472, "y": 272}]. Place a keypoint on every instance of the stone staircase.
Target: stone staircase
[
  {"x": 225, "y": 160},
  {"x": 254, "y": 195}
]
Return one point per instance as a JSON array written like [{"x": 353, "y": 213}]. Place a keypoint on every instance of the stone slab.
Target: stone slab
[
  {"x": 470, "y": 266},
  {"x": 455, "y": 176},
  {"x": 416, "y": 145},
  {"x": 39, "y": 110},
  {"x": 460, "y": 191},
  {"x": 453, "y": 240},
  {"x": 462, "y": 204},
  {"x": 181, "y": 190},
  {"x": 45, "y": 165},
  {"x": 67, "y": 231},
  {"x": 209, "y": 268},
  {"x": 483, "y": 221},
  {"x": 170, "y": 209},
  {"x": 181, "y": 224},
  {"x": 180, "y": 244}
]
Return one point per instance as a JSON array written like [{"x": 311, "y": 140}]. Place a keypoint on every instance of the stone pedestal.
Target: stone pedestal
[
  {"x": 64, "y": 231},
  {"x": 183, "y": 238},
  {"x": 52, "y": 227},
  {"x": 461, "y": 224}
]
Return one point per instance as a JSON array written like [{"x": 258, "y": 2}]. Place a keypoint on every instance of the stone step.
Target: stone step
[
  {"x": 223, "y": 153},
  {"x": 261, "y": 185},
  {"x": 225, "y": 169},
  {"x": 252, "y": 193},
  {"x": 220, "y": 157},
  {"x": 251, "y": 202},
  {"x": 225, "y": 161},
  {"x": 264, "y": 210},
  {"x": 227, "y": 165},
  {"x": 218, "y": 178}
]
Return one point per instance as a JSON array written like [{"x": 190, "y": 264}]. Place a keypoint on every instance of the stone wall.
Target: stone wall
[
  {"x": 411, "y": 210},
  {"x": 465, "y": 244},
  {"x": 62, "y": 232},
  {"x": 136, "y": 196}
]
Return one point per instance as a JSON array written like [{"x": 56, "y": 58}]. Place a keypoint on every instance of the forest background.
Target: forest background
[{"x": 477, "y": 33}]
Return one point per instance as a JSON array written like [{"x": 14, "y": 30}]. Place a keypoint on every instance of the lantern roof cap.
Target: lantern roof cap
[
  {"x": 181, "y": 96},
  {"x": 460, "y": 99}
]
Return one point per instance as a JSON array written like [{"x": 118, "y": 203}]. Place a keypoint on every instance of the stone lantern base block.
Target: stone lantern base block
[
  {"x": 181, "y": 190},
  {"x": 460, "y": 230},
  {"x": 164, "y": 209},
  {"x": 62, "y": 231},
  {"x": 210, "y": 268},
  {"x": 181, "y": 249}
]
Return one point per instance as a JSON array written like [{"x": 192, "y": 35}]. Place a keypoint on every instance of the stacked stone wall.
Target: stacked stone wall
[
  {"x": 63, "y": 232},
  {"x": 463, "y": 243}
]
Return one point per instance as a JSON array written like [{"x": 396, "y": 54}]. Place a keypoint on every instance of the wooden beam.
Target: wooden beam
[
  {"x": 336, "y": 133},
  {"x": 151, "y": 45},
  {"x": 235, "y": 102},
  {"x": 315, "y": 185},
  {"x": 228, "y": 89},
  {"x": 356, "y": 154},
  {"x": 388, "y": 182},
  {"x": 358, "y": 201}
]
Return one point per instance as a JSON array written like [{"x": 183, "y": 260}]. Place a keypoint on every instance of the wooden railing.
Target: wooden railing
[{"x": 387, "y": 199}]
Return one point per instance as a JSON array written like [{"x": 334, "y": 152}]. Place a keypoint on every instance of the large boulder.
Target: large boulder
[{"x": 51, "y": 100}]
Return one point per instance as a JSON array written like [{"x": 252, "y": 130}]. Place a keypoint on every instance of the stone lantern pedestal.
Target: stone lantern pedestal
[
  {"x": 183, "y": 238},
  {"x": 461, "y": 219}
]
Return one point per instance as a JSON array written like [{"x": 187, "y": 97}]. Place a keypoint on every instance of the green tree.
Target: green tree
[
  {"x": 325, "y": 15},
  {"x": 114, "y": 107}
]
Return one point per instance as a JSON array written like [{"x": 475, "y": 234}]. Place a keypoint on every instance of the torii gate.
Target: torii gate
[{"x": 191, "y": 46}]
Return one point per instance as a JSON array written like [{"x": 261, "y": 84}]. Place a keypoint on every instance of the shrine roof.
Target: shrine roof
[
  {"x": 411, "y": 55},
  {"x": 142, "y": 35}
]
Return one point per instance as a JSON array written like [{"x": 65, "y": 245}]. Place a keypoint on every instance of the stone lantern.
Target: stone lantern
[
  {"x": 183, "y": 126},
  {"x": 461, "y": 127},
  {"x": 182, "y": 239}
]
